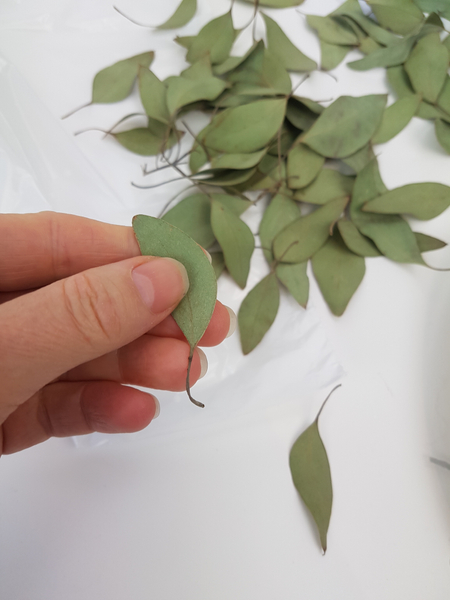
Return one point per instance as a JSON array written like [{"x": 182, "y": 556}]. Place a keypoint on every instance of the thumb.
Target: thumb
[{"x": 51, "y": 330}]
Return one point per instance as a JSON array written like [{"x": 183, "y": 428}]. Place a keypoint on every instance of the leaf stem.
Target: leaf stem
[
  {"x": 188, "y": 386},
  {"x": 326, "y": 400}
]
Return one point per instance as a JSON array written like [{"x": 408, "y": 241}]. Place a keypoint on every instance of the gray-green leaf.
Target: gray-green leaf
[
  {"x": 421, "y": 200},
  {"x": 295, "y": 279},
  {"x": 427, "y": 67},
  {"x": 116, "y": 82},
  {"x": 181, "y": 17},
  {"x": 396, "y": 117},
  {"x": 282, "y": 47}
]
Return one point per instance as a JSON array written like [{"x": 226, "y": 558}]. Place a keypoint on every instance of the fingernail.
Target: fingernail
[
  {"x": 233, "y": 321},
  {"x": 203, "y": 362},
  {"x": 157, "y": 408},
  {"x": 161, "y": 283}
]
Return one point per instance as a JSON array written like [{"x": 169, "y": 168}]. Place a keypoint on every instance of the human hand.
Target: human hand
[{"x": 81, "y": 313}]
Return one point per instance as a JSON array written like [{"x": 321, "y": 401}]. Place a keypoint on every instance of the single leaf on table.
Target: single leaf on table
[
  {"x": 427, "y": 67},
  {"x": 238, "y": 161},
  {"x": 159, "y": 238},
  {"x": 193, "y": 216},
  {"x": 443, "y": 134},
  {"x": 295, "y": 279},
  {"x": 145, "y": 142},
  {"x": 396, "y": 117},
  {"x": 153, "y": 95},
  {"x": 391, "y": 56},
  {"x": 282, "y": 47},
  {"x": 421, "y": 200},
  {"x": 218, "y": 263},
  {"x": 338, "y": 272},
  {"x": 304, "y": 237},
  {"x": 116, "y": 82},
  {"x": 303, "y": 166},
  {"x": 346, "y": 125},
  {"x": 215, "y": 39},
  {"x": 427, "y": 243},
  {"x": 247, "y": 128},
  {"x": 257, "y": 312},
  {"x": 235, "y": 239},
  {"x": 183, "y": 14},
  {"x": 329, "y": 184},
  {"x": 400, "y": 16},
  {"x": 281, "y": 211},
  {"x": 360, "y": 158},
  {"x": 332, "y": 30},
  {"x": 332, "y": 55},
  {"x": 311, "y": 475},
  {"x": 355, "y": 241}
]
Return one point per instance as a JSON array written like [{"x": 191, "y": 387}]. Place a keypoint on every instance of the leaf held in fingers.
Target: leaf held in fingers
[
  {"x": 295, "y": 279},
  {"x": 304, "y": 237},
  {"x": 257, "y": 312},
  {"x": 193, "y": 216},
  {"x": 116, "y": 82},
  {"x": 303, "y": 166},
  {"x": 346, "y": 125},
  {"x": 311, "y": 475},
  {"x": 181, "y": 17},
  {"x": 396, "y": 117},
  {"x": 427, "y": 67},
  {"x": 288, "y": 54},
  {"x": 338, "y": 272},
  {"x": 281, "y": 211},
  {"x": 235, "y": 239},
  {"x": 421, "y": 200}
]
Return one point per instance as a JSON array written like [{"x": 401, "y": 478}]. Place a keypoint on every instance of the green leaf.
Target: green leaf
[
  {"x": 400, "y": 16},
  {"x": 311, "y": 475},
  {"x": 185, "y": 41},
  {"x": 236, "y": 204},
  {"x": 329, "y": 184},
  {"x": 116, "y": 82},
  {"x": 281, "y": 211},
  {"x": 247, "y": 128},
  {"x": 193, "y": 216},
  {"x": 396, "y": 117},
  {"x": 332, "y": 55},
  {"x": 276, "y": 3},
  {"x": 333, "y": 30},
  {"x": 355, "y": 241},
  {"x": 391, "y": 56},
  {"x": 367, "y": 46},
  {"x": 421, "y": 200},
  {"x": 303, "y": 166},
  {"x": 435, "y": 6},
  {"x": 399, "y": 81},
  {"x": 197, "y": 158},
  {"x": 376, "y": 33},
  {"x": 338, "y": 272},
  {"x": 224, "y": 177},
  {"x": 426, "y": 243},
  {"x": 443, "y": 100},
  {"x": 218, "y": 263},
  {"x": 443, "y": 134},
  {"x": 304, "y": 237},
  {"x": 215, "y": 39},
  {"x": 300, "y": 114},
  {"x": 257, "y": 312},
  {"x": 346, "y": 125},
  {"x": 145, "y": 142},
  {"x": 184, "y": 90},
  {"x": 427, "y": 67},
  {"x": 235, "y": 239},
  {"x": 282, "y": 47},
  {"x": 360, "y": 158},
  {"x": 237, "y": 161},
  {"x": 153, "y": 96},
  {"x": 295, "y": 279},
  {"x": 183, "y": 14}
]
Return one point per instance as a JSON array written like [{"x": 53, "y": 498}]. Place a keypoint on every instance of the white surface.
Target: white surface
[{"x": 201, "y": 504}]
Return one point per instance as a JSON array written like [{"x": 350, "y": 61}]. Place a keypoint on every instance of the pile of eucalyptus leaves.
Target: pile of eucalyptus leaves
[{"x": 313, "y": 166}]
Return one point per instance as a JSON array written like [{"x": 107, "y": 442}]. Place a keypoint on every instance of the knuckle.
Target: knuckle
[{"x": 91, "y": 309}]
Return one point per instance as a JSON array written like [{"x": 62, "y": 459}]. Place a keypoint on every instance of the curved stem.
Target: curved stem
[
  {"x": 326, "y": 400},
  {"x": 72, "y": 112},
  {"x": 188, "y": 385}
]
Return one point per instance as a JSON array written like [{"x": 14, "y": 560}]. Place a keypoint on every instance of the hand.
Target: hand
[{"x": 81, "y": 313}]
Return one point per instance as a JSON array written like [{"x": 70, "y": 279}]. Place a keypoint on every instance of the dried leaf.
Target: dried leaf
[
  {"x": 355, "y": 241},
  {"x": 215, "y": 39},
  {"x": 391, "y": 56},
  {"x": 434, "y": 6},
  {"x": 399, "y": 81},
  {"x": 360, "y": 158},
  {"x": 183, "y": 90},
  {"x": 329, "y": 184},
  {"x": 281, "y": 211},
  {"x": 295, "y": 279},
  {"x": 332, "y": 55},
  {"x": 400, "y": 16},
  {"x": 421, "y": 200},
  {"x": 235, "y": 239},
  {"x": 224, "y": 177},
  {"x": 300, "y": 114},
  {"x": 183, "y": 14},
  {"x": 427, "y": 67},
  {"x": 153, "y": 96},
  {"x": 303, "y": 166},
  {"x": 443, "y": 100},
  {"x": 333, "y": 30},
  {"x": 116, "y": 82},
  {"x": 145, "y": 142},
  {"x": 218, "y": 263},
  {"x": 346, "y": 125},
  {"x": 338, "y": 272},
  {"x": 304, "y": 237},
  {"x": 376, "y": 33},
  {"x": 257, "y": 312},
  {"x": 282, "y": 47},
  {"x": 193, "y": 216},
  {"x": 396, "y": 117},
  {"x": 237, "y": 161},
  {"x": 426, "y": 243},
  {"x": 443, "y": 134},
  {"x": 276, "y": 3}
]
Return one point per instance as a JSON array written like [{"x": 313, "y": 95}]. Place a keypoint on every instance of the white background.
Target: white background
[{"x": 201, "y": 506}]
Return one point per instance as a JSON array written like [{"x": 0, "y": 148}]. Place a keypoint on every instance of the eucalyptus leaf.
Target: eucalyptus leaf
[
  {"x": 443, "y": 134},
  {"x": 332, "y": 55},
  {"x": 396, "y": 117},
  {"x": 435, "y": 6},
  {"x": 144, "y": 142},
  {"x": 427, "y": 243},
  {"x": 421, "y": 200},
  {"x": 276, "y": 3},
  {"x": 346, "y": 125},
  {"x": 304, "y": 237},
  {"x": 236, "y": 204},
  {"x": 303, "y": 166},
  {"x": 224, "y": 177},
  {"x": 281, "y": 211},
  {"x": 116, "y": 82},
  {"x": 355, "y": 241},
  {"x": 338, "y": 272},
  {"x": 427, "y": 67},
  {"x": 329, "y": 184},
  {"x": 215, "y": 39},
  {"x": 282, "y": 47},
  {"x": 257, "y": 312},
  {"x": 311, "y": 475},
  {"x": 235, "y": 239},
  {"x": 400, "y": 16},
  {"x": 193, "y": 314},
  {"x": 332, "y": 30},
  {"x": 182, "y": 91},
  {"x": 218, "y": 263},
  {"x": 391, "y": 56},
  {"x": 295, "y": 279},
  {"x": 399, "y": 81},
  {"x": 443, "y": 100},
  {"x": 153, "y": 95},
  {"x": 376, "y": 33},
  {"x": 181, "y": 17},
  {"x": 193, "y": 216},
  {"x": 237, "y": 161},
  {"x": 360, "y": 158},
  {"x": 299, "y": 114}
]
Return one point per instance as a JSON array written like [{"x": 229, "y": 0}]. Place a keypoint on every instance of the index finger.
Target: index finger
[{"x": 38, "y": 249}]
